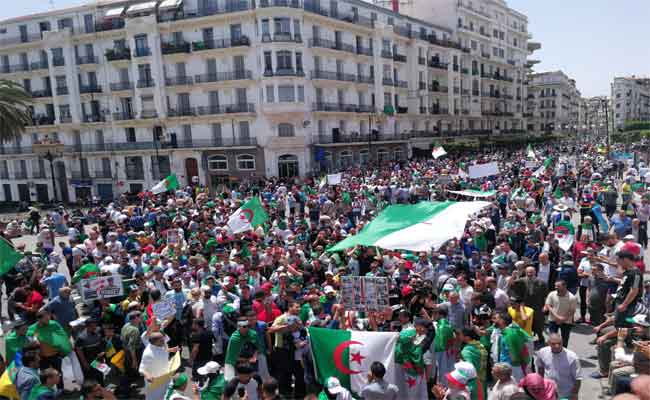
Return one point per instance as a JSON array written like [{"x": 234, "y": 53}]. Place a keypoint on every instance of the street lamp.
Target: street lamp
[{"x": 50, "y": 150}]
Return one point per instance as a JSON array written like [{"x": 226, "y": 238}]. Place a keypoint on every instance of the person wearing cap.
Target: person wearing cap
[
  {"x": 53, "y": 280},
  {"x": 213, "y": 381},
  {"x": 461, "y": 383},
  {"x": 243, "y": 343},
  {"x": 177, "y": 388},
  {"x": 630, "y": 290},
  {"x": 333, "y": 390}
]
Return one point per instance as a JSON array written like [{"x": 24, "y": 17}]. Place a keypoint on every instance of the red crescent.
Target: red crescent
[
  {"x": 338, "y": 353},
  {"x": 249, "y": 214}
]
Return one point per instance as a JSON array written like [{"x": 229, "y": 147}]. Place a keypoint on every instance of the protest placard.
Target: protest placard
[
  {"x": 163, "y": 309},
  {"x": 364, "y": 293},
  {"x": 481, "y": 170},
  {"x": 101, "y": 288}
]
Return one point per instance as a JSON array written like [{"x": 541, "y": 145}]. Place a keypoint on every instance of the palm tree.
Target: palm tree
[{"x": 14, "y": 110}]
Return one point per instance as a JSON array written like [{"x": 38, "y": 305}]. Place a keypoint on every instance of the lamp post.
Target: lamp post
[
  {"x": 50, "y": 157},
  {"x": 50, "y": 150}
]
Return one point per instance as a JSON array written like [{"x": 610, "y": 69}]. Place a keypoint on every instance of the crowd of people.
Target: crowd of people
[{"x": 489, "y": 314}]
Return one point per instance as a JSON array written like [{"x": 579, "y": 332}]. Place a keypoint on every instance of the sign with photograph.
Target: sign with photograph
[
  {"x": 163, "y": 309},
  {"x": 365, "y": 293},
  {"x": 101, "y": 287}
]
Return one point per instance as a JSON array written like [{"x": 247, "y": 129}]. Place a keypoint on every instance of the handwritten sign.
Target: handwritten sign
[
  {"x": 101, "y": 288},
  {"x": 365, "y": 293},
  {"x": 164, "y": 309}
]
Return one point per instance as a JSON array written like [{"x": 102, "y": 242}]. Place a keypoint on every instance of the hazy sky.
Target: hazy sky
[{"x": 590, "y": 40}]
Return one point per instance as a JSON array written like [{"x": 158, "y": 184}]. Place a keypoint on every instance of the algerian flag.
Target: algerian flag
[
  {"x": 51, "y": 334},
  {"x": 474, "y": 193},
  {"x": 564, "y": 232},
  {"x": 529, "y": 152},
  {"x": 347, "y": 355},
  {"x": 87, "y": 271},
  {"x": 169, "y": 183},
  {"x": 539, "y": 171},
  {"x": 8, "y": 256},
  {"x": 438, "y": 152},
  {"x": 250, "y": 215},
  {"x": 548, "y": 162},
  {"x": 417, "y": 227}
]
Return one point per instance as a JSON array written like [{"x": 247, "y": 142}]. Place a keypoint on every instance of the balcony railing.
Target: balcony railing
[
  {"x": 342, "y": 107},
  {"x": 422, "y": 60},
  {"x": 352, "y": 18},
  {"x": 280, "y": 3},
  {"x": 90, "y": 89},
  {"x": 438, "y": 111},
  {"x": 387, "y": 54},
  {"x": 87, "y": 60},
  {"x": 118, "y": 54},
  {"x": 422, "y": 85},
  {"x": 142, "y": 52},
  {"x": 42, "y": 120},
  {"x": 220, "y": 44},
  {"x": 80, "y": 175},
  {"x": 226, "y": 109},
  {"x": 42, "y": 93},
  {"x": 399, "y": 57},
  {"x": 401, "y": 84},
  {"x": 62, "y": 90},
  {"x": 182, "y": 112},
  {"x": 36, "y": 65},
  {"x": 333, "y": 76},
  {"x": 20, "y": 175},
  {"x": 93, "y": 118},
  {"x": 38, "y": 175},
  {"x": 230, "y": 6},
  {"x": 109, "y": 24},
  {"x": 324, "y": 138},
  {"x": 146, "y": 83},
  {"x": 8, "y": 69},
  {"x": 179, "y": 80},
  {"x": 387, "y": 81},
  {"x": 438, "y": 65},
  {"x": 29, "y": 38},
  {"x": 333, "y": 45},
  {"x": 366, "y": 51},
  {"x": 100, "y": 174},
  {"x": 438, "y": 88},
  {"x": 117, "y": 86},
  {"x": 123, "y": 116},
  {"x": 65, "y": 119},
  {"x": 282, "y": 37},
  {"x": 148, "y": 114},
  {"x": 175, "y": 48},
  {"x": 485, "y": 55},
  {"x": 58, "y": 61},
  {"x": 284, "y": 72},
  {"x": 441, "y": 42},
  {"x": 16, "y": 150},
  {"x": 224, "y": 76}
]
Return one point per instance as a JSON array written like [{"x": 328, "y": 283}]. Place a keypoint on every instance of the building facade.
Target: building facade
[
  {"x": 595, "y": 114},
  {"x": 553, "y": 103},
  {"x": 631, "y": 100}
]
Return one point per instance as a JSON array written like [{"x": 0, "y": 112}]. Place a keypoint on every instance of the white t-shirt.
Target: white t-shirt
[{"x": 563, "y": 306}]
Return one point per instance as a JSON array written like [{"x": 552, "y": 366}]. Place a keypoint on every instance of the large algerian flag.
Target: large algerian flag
[
  {"x": 417, "y": 227},
  {"x": 564, "y": 233},
  {"x": 347, "y": 355},
  {"x": 475, "y": 193},
  {"x": 9, "y": 257},
  {"x": 86, "y": 271},
  {"x": 53, "y": 335},
  {"x": 438, "y": 152},
  {"x": 250, "y": 215},
  {"x": 169, "y": 183},
  {"x": 529, "y": 152}
]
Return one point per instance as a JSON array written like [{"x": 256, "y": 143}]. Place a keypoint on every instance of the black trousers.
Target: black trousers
[
  {"x": 288, "y": 371},
  {"x": 565, "y": 331},
  {"x": 583, "y": 301}
]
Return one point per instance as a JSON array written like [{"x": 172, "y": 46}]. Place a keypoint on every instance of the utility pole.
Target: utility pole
[{"x": 606, "y": 105}]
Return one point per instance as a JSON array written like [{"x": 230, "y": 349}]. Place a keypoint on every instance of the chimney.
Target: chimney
[{"x": 395, "y": 5}]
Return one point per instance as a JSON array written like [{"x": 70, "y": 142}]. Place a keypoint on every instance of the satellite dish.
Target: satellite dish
[{"x": 306, "y": 123}]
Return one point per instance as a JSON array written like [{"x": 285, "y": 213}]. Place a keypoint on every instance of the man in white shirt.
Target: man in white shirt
[
  {"x": 501, "y": 298},
  {"x": 560, "y": 365},
  {"x": 154, "y": 364},
  {"x": 561, "y": 306}
]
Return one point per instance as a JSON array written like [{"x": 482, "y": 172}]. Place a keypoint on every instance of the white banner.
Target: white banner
[
  {"x": 334, "y": 179},
  {"x": 481, "y": 170},
  {"x": 163, "y": 309},
  {"x": 101, "y": 288}
]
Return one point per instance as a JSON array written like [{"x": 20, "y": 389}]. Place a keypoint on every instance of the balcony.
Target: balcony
[
  {"x": 224, "y": 76},
  {"x": 117, "y": 86},
  {"x": 387, "y": 54},
  {"x": 422, "y": 85},
  {"x": 175, "y": 48},
  {"x": 109, "y": 25},
  {"x": 118, "y": 54},
  {"x": 146, "y": 83},
  {"x": 464, "y": 71},
  {"x": 63, "y": 90},
  {"x": 284, "y": 72},
  {"x": 65, "y": 119},
  {"x": 38, "y": 175},
  {"x": 280, "y": 37},
  {"x": 182, "y": 112},
  {"x": 20, "y": 175},
  {"x": 399, "y": 58},
  {"x": 148, "y": 114},
  {"x": 80, "y": 175},
  {"x": 365, "y": 51},
  {"x": 324, "y": 138},
  {"x": 93, "y": 118},
  {"x": 486, "y": 55},
  {"x": 123, "y": 116},
  {"x": 41, "y": 93},
  {"x": 216, "y": 142},
  {"x": 280, "y": 3},
  {"x": 230, "y": 6},
  {"x": 87, "y": 60},
  {"x": 512, "y": 62},
  {"x": 508, "y": 97},
  {"x": 403, "y": 31},
  {"x": 333, "y": 76},
  {"x": 179, "y": 80},
  {"x": 456, "y": 67},
  {"x": 8, "y": 69},
  {"x": 422, "y": 61},
  {"x": 29, "y": 38},
  {"x": 43, "y": 120},
  {"x": 94, "y": 88},
  {"x": 438, "y": 111},
  {"x": 220, "y": 44},
  {"x": 58, "y": 61},
  {"x": 387, "y": 81},
  {"x": 142, "y": 52},
  {"x": 39, "y": 65},
  {"x": 434, "y": 87},
  {"x": 401, "y": 84},
  {"x": 341, "y": 107},
  {"x": 332, "y": 45},
  {"x": 352, "y": 18},
  {"x": 100, "y": 174},
  {"x": 226, "y": 109},
  {"x": 438, "y": 65}
]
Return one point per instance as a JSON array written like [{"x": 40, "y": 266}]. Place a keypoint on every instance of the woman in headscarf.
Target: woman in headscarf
[{"x": 539, "y": 388}]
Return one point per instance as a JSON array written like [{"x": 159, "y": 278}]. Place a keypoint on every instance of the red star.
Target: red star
[
  {"x": 408, "y": 365},
  {"x": 357, "y": 357},
  {"x": 411, "y": 381}
]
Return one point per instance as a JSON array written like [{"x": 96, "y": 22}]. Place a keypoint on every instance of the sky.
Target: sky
[{"x": 590, "y": 40}]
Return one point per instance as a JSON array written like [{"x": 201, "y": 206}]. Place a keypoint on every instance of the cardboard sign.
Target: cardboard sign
[
  {"x": 365, "y": 293},
  {"x": 101, "y": 287},
  {"x": 164, "y": 309},
  {"x": 481, "y": 170},
  {"x": 172, "y": 237}
]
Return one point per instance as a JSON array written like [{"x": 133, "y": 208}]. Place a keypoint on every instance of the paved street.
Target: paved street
[{"x": 579, "y": 342}]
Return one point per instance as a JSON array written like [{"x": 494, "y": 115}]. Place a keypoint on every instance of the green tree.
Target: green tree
[{"x": 14, "y": 110}]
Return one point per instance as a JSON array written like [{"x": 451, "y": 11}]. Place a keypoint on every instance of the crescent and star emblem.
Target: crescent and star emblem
[{"x": 355, "y": 357}]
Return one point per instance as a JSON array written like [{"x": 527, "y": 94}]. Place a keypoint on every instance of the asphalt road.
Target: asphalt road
[{"x": 579, "y": 340}]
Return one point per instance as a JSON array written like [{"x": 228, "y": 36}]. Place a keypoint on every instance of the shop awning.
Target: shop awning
[
  {"x": 114, "y": 12},
  {"x": 168, "y": 5},
  {"x": 142, "y": 7}
]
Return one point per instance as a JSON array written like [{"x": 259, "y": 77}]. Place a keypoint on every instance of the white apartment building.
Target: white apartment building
[
  {"x": 631, "y": 99},
  {"x": 232, "y": 90},
  {"x": 493, "y": 65},
  {"x": 595, "y": 114},
  {"x": 553, "y": 103}
]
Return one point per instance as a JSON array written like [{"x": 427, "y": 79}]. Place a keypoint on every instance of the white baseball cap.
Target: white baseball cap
[
  {"x": 211, "y": 367},
  {"x": 334, "y": 386}
]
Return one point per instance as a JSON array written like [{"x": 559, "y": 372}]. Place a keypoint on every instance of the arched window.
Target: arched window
[
  {"x": 245, "y": 162},
  {"x": 382, "y": 155},
  {"x": 286, "y": 130},
  {"x": 218, "y": 163},
  {"x": 345, "y": 158}
]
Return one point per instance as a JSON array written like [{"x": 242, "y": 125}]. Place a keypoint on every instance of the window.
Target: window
[
  {"x": 130, "y": 135},
  {"x": 345, "y": 158},
  {"x": 282, "y": 25},
  {"x": 296, "y": 28},
  {"x": 286, "y": 130},
  {"x": 286, "y": 93},
  {"x": 244, "y": 131},
  {"x": 245, "y": 162},
  {"x": 283, "y": 60},
  {"x": 265, "y": 27},
  {"x": 298, "y": 61},
  {"x": 382, "y": 155},
  {"x": 399, "y": 154},
  {"x": 270, "y": 98},
  {"x": 218, "y": 163},
  {"x": 301, "y": 94},
  {"x": 268, "y": 62},
  {"x": 363, "y": 157}
]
